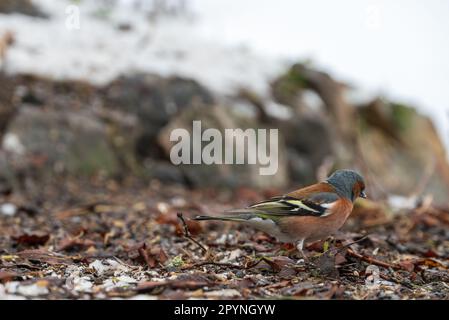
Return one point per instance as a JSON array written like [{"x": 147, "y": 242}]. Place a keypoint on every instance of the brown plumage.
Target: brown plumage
[{"x": 307, "y": 214}]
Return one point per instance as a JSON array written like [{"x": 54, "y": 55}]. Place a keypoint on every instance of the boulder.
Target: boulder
[
  {"x": 308, "y": 136},
  {"x": 310, "y": 143},
  {"x": 7, "y": 105},
  {"x": 223, "y": 175},
  {"x": 60, "y": 142},
  {"x": 402, "y": 151},
  {"x": 154, "y": 100},
  {"x": 21, "y": 6},
  {"x": 396, "y": 148},
  {"x": 73, "y": 127}
]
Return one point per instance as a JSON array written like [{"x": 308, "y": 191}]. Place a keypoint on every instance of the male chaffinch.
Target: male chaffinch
[{"x": 308, "y": 214}]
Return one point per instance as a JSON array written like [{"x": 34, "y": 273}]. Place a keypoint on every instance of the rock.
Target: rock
[
  {"x": 21, "y": 6},
  {"x": 289, "y": 89},
  {"x": 402, "y": 151},
  {"x": 300, "y": 167},
  {"x": 164, "y": 171},
  {"x": 222, "y": 175},
  {"x": 322, "y": 131},
  {"x": 154, "y": 100},
  {"x": 223, "y": 294},
  {"x": 48, "y": 93},
  {"x": 398, "y": 149},
  {"x": 7, "y": 103},
  {"x": 309, "y": 143},
  {"x": 308, "y": 136},
  {"x": 8, "y": 209},
  {"x": 59, "y": 142},
  {"x": 63, "y": 127},
  {"x": 107, "y": 127}
]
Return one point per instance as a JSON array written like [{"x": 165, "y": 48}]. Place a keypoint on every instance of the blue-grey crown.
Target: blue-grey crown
[{"x": 343, "y": 181}]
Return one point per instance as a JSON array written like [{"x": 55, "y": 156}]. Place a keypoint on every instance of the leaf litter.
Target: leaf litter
[{"x": 132, "y": 244}]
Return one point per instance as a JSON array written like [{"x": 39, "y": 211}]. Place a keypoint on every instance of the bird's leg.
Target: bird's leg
[
  {"x": 333, "y": 241},
  {"x": 299, "y": 246}
]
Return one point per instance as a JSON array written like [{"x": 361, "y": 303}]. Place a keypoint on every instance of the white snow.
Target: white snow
[
  {"x": 99, "y": 51},
  {"x": 395, "y": 48}
]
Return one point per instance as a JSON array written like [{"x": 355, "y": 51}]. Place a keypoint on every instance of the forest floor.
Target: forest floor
[{"x": 101, "y": 240}]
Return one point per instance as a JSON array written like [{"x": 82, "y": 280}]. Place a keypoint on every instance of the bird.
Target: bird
[{"x": 305, "y": 215}]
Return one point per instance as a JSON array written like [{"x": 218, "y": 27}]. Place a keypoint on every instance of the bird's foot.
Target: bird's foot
[
  {"x": 304, "y": 260},
  {"x": 305, "y": 263}
]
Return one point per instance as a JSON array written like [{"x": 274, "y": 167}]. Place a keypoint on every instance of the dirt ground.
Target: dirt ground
[{"x": 99, "y": 239}]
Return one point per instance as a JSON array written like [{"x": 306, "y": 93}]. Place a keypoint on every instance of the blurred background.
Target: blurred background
[{"x": 90, "y": 90}]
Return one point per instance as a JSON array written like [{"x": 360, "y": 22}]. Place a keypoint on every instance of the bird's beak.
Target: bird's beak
[{"x": 363, "y": 195}]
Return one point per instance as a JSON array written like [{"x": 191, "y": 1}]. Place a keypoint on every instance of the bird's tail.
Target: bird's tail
[
  {"x": 237, "y": 216},
  {"x": 218, "y": 218}
]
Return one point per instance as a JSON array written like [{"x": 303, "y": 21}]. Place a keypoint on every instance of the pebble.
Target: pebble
[{"x": 8, "y": 209}]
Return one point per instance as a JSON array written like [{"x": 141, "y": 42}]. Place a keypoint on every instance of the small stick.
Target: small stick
[
  {"x": 187, "y": 233},
  {"x": 373, "y": 261},
  {"x": 340, "y": 249},
  {"x": 226, "y": 265},
  {"x": 401, "y": 282},
  {"x": 218, "y": 264},
  {"x": 350, "y": 244}
]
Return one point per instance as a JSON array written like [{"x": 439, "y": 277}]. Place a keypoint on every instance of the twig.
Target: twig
[
  {"x": 218, "y": 264},
  {"x": 187, "y": 233},
  {"x": 228, "y": 265},
  {"x": 371, "y": 260},
  {"x": 397, "y": 281},
  {"x": 353, "y": 242},
  {"x": 340, "y": 249}
]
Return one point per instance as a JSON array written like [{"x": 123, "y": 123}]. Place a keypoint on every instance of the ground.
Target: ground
[{"x": 100, "y": 239}]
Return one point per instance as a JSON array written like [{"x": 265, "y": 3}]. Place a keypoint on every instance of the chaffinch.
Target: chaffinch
[{"x": 308, "y": 214}]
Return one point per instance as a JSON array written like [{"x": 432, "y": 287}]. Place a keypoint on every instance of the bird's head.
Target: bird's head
[{"x": 348, "y": 184}]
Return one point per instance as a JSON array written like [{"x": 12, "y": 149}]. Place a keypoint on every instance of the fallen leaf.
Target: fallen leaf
[
  {"x": 431, "y": 254},
  {"x": 328, "y": 294},
  {"x": 171, "y": 218},
  {"x": 173, "y": 284},
  {"x": 6, "y": 276},
  {"x": 407, "y": 265},
  {"x": 160, "y": 254},
  {"x": 152, "y": 256},
  {"x": 277, "y": 264},
  {"x": 433, "y": 263},
  {"x": 298, "y": 289},
  {"x": 33, "y": 239},
  {"x": 74, "y": 243},
  {"x": 44, "y": 256},
  {"x": 340, "y": 259}
]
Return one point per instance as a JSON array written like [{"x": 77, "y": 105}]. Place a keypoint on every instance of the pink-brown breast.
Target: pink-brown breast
[{"x": 315, "y": 228}]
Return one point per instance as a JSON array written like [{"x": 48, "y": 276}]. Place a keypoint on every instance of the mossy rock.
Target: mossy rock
[
  {"x": 402, "y": 151},
  {"x": 67, "y": 142}
]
